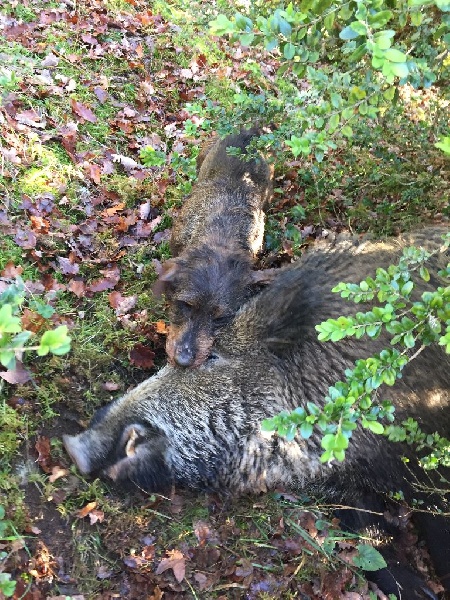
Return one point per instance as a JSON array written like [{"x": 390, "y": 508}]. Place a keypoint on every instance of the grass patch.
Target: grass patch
[{"x": 388, "y": 178}]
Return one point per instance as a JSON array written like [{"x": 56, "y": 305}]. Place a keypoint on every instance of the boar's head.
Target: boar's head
[{"x": 123, "y": 447}]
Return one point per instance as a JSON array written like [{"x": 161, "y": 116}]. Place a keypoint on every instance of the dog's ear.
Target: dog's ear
[
  {"x": 166, "y": 276},
  {"x": 264, "y": 277},
  {"x": 169, "y": 269}
]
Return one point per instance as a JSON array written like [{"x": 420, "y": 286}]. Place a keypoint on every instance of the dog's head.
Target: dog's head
[{"x": 205, "y": 287}]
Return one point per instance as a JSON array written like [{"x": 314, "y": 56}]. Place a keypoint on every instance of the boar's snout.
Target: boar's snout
[{"x": 77, "y": 453}]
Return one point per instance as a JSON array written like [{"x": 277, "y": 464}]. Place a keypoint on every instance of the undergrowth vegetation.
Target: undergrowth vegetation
[{"x": 103, "y": 108}]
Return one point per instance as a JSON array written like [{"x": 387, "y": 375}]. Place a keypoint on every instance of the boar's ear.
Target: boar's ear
[
  {"x": 264, "y": 277},
  {"x": 143, "y": 459},
  {"x": 167, "y": 274}
]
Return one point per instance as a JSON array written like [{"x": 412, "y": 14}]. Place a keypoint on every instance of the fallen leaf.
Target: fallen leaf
[
  {"x": 202, "y": 581},
  {"x": 16, "y": 545},
  {"x": 83, "y": 111},
  {"x": 52, "y": 285},
  {"x": 31, "y": 118},
  {"x": 245, "y": 569},
  {"x": 110, "y": 386},
  {"x": 17, "y": 375},
  {"x": 141, "y": 356},
  {"x": 104, "y": 572},
  {"x": 121, "y": 304},
  {"x": 100, "y": 285},
  {"x": 25, "y": 239},
  {"x": 39, "y": 224},
  {"x": 102, "y": 95},
  {"x": 134, "y": 562},
  {"x": 89, "y": 39},
  {"x": 83, "y": 512},
  {"x": 44, "y": 458},
  {"x": 34, "y": 530},
  {"x": 50, "y": 60},
  {"x": 175, "y": 561},
  {"x": 77, "y": 287},
  {"x": 10, "y": 154},
  {"x": 157, "y": 594},
  {"x": 67, "y": 267},
  {"x": 64, "y": 597},
  {"x": 125, "y": 161},
  {"x": 31, "y": 320},
  {"x": 113, "y": 210},
  {"x": 176, "y": 504},
  {"x": 94, "y": 172},
  {"x": 58, "y": 496},
  {"x": 148, "y": 552},
  {"x": 110, "y": 280},
  {"x": 57, "y": 473},
  {"x": 144, "y": 211},
  {"x": 161, "y": 327},
  {"x": 96, "y": 516},
  {"x": 204, "y": 533},
  {"x": 69, "y": 135}
]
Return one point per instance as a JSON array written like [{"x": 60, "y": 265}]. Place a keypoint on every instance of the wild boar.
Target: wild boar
[{"x": 201, "y": 428}]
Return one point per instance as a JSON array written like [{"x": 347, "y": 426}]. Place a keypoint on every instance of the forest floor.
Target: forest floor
[{"x": 85, "y": 219}]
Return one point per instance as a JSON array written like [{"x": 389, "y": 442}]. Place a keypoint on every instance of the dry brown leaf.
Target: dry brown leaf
[
  {"x": 67, "y": 267},
  {"x": 25, "y": 239},
  {"x": 83, "y": 111},
  {"x": 83, "y": 512},
  {"x": 57, "y": 473},
  {"x": 77, "y": 287},
  {"x": 175, "y": 561},
  {"x": 109, "y": 212},
  {"x": 96, "y": 516},
  {"x": 17, "y": 375},
  {"x": 141, "y": 356},
  {"x": 11, "y": 271},
  {"x": 161, "y": 327},
  {"x": 121, "y": 304},
  {"x": 44, "y": 458}
]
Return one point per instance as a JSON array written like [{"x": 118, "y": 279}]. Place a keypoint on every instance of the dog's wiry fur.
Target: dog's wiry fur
[
  {"x": 215, "y": 239},
  {"x": 202, "y": 428}
]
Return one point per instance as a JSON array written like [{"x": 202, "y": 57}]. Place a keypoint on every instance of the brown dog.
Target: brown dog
[{"x": 215, "y": 239}]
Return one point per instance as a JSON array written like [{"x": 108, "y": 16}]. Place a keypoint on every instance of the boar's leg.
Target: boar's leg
[
  {"x": 435, "y": 530},
  {"x": 398, "y": 578}
]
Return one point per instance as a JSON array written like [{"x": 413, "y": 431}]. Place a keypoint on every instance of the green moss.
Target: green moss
[
  {"x": 21, "y": 12},
  {"x": 11, "y": 252},
  {"x": 117, "y": 6},
  {"x": 12, "y": 427},
  {"x": 51, "y": 170}
]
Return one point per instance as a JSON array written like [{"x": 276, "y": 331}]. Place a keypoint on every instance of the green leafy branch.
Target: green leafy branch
[
  {"x": 7, "y": 586},
  {"x": 347, "y": 53},
  {"x": 412, "y": 325},
  {"x": 14, "y": 339}
]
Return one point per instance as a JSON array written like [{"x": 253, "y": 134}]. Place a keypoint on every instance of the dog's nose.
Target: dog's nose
[{"x": 184, "y": 357}]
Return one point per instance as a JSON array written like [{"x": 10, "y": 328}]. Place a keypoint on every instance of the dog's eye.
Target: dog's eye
[
  {"x": 221, "y": 321},
  {"x": 184, "y": 306}
]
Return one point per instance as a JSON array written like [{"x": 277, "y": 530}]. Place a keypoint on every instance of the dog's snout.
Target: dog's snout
[{"x": 184, "y": 357}]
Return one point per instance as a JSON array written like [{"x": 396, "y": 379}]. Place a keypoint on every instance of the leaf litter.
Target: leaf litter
[{"x": 80, "y": 242}]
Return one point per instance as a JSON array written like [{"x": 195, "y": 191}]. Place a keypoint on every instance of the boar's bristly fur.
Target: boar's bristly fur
[
  {"x": 201, "y": 428},
  {"x": 215, "y": 239}
]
